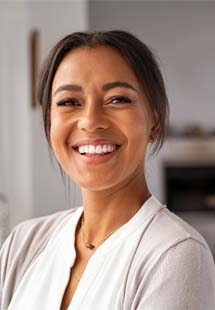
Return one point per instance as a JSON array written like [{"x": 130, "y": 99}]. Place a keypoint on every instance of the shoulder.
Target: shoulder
[
  {"x": 167, "y": 230},
  {"x": 180, "y": 277},
  {"x": 166, "y": 235},
  {"x": 32, "y": 233},
  {"x": 25, "y": 243},
  {"x": 36, "y": 230},
  {"x": 174, "y": 264},
  {"x": 183, "y": 246},
  {"x": 42, "y": 225}
]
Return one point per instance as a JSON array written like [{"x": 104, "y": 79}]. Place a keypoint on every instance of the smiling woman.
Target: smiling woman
[
  {"x": 104, "y": 103},
  {"x": 96, "y": 108}
]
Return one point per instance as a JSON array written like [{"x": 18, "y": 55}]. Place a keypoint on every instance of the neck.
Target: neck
[{"x": 106, "y": 211}]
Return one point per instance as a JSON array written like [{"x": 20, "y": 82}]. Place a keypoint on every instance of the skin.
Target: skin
[{"x": 115, "y": 190}]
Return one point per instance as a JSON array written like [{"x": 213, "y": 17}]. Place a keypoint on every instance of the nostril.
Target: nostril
[{"x": 93, "y": 123}]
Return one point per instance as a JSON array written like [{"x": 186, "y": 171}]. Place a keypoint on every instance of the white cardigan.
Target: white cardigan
[{"x": 156, "y": 261}]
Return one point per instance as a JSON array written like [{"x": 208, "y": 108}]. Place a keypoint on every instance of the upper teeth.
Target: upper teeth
[{"x": 97, "y": 149}]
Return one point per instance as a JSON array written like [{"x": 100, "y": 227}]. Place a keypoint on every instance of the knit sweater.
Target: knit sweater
[{"x": 156, "y": 261}]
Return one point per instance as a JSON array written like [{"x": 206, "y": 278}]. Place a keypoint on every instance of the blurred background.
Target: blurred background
[{"x": 180, "y": 33}]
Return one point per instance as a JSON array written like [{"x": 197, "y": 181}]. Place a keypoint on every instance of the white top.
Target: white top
[{"x": 155, "y": 261}]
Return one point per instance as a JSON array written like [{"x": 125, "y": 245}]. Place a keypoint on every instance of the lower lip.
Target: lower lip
[{"x": 96, "y": 159}]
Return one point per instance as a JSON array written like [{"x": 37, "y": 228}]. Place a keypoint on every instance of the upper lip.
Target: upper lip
[{"x": 94, "y": 142}]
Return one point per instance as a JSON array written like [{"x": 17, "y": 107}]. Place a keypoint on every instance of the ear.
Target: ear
[{"x": 155, "y": 129}]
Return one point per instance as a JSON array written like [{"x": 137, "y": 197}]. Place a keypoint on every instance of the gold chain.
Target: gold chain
[{"x": 88, "y": 245}]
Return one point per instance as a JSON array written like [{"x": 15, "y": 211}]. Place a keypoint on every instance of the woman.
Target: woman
[{"x": 104, "y": 103}]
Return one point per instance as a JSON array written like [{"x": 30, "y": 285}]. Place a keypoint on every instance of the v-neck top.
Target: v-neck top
[{"x": 155, "y": 261}]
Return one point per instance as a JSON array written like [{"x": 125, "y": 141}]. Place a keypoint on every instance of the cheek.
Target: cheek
[
  {"x": 138, "y": 137},
  {"x": 137, "y": 129},
  {"x": 55, "y": 133},
  {"x": 138, "y": 143},
  {"x": 58, "y": 136}
]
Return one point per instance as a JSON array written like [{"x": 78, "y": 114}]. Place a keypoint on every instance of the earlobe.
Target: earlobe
[
  {"x": 154, "y": 132},
  {"x": 152, "y": 138}
]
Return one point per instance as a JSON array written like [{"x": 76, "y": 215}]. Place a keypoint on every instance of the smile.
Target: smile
[
  {"x": 96, "y": 150},
  {"x": 96, "y": 154}
]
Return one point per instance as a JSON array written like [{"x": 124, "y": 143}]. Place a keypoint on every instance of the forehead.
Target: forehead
[{"x": 99, "y": 64}]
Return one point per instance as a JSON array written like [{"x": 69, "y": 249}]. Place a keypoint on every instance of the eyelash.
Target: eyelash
[
  {"x": 66, "y": 101},
  {"x": 122, "y": 99},
  {"x": 73, "y": 102}
]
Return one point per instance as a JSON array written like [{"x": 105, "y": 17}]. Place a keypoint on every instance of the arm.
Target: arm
[
  {"x": 22, "y": 247},
  {"x": 5, "y": 259},
  {"x": 183, "y": 279}
]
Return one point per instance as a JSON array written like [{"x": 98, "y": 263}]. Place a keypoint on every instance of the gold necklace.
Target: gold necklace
[{"x": 88, "y": 245}]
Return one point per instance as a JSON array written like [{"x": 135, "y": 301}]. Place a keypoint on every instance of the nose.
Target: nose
[{"x": 92, "y": 118}]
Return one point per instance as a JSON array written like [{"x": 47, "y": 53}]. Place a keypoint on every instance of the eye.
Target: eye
[
  {"x": 68, "y": 102},
  {"x": 120, "y": 100}
]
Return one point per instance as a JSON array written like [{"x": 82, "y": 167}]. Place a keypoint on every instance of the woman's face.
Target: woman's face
[{"x": 100, "y": 118}]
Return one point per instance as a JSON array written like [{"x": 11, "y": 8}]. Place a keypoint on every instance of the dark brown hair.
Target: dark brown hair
[{"x": 141, "y": 59}]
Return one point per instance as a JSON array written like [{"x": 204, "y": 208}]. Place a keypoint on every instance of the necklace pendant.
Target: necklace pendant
[{"x": 89, "y": 246}]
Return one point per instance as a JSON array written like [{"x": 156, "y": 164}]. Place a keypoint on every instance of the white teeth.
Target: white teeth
[
  {"x": 105, "y": 148},
  {"x": 92, "y": 149},
  {"x": 97, "y": 149},
  {"x": 81, "y": 149}
]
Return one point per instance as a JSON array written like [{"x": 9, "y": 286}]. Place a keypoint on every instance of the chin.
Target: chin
[{"x": 96, "y": 184}]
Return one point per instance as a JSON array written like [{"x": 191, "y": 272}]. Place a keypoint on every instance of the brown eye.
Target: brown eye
[
  {"x": 120, "y": 100},
  {"x": 68, "y": 102}
]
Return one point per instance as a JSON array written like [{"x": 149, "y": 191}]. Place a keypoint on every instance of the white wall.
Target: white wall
[{"x": 15, "y": 134}]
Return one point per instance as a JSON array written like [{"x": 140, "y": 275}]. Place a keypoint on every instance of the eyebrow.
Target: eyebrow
[
  {"x": 117, "y": 84},
  {"x": 105, "y": 87}
]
